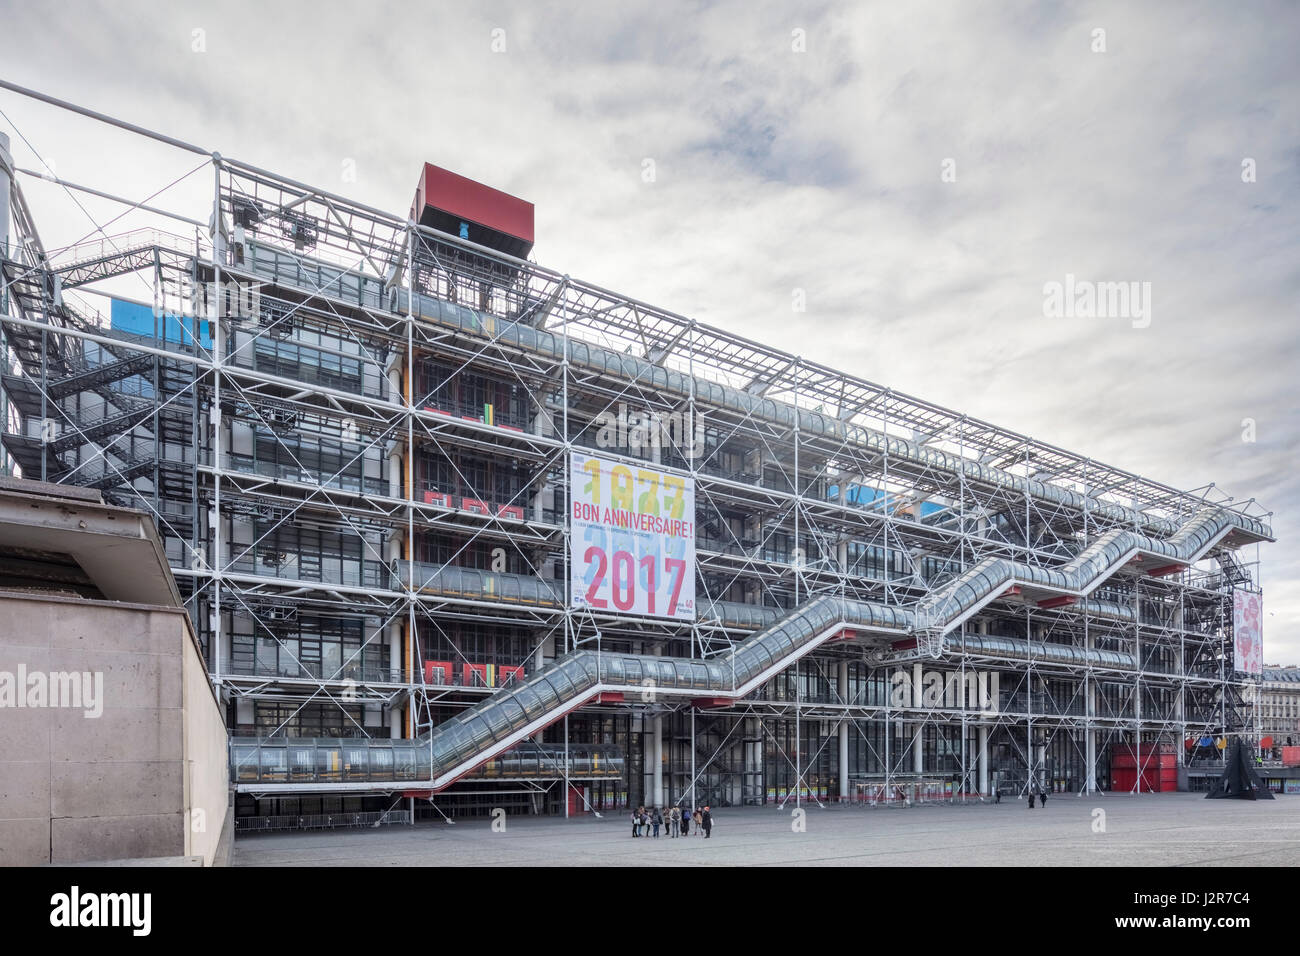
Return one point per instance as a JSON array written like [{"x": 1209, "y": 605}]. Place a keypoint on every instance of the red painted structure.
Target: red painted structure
[
  {"x": 496, "y": 219},
  {"x": 444, "y": 673},
  {"x": 707, "y": 703},
  {"x": 577, "y": 801},
  {"x": 1167, "y": 569},
  {"x": 438, "y": 672},
  {"x": 1147, "y": 768}
]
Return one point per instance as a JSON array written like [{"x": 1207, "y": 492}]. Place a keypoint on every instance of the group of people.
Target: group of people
[
  {"x": 1032, "y": 794},
  {"x": 676, "y": 820}
]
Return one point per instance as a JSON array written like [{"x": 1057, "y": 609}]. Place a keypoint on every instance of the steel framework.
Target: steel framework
[{"x": 352, "y": 431}]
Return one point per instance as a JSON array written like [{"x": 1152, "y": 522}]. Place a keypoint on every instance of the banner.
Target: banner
[
  {"x": 631, "y": 538},
  {"x": 1248, "y": 631}
]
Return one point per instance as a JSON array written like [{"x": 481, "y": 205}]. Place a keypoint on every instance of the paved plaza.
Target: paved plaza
[{"x": 1181, "y": 829}]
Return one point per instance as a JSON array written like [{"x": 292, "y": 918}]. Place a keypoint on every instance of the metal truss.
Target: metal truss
[{"x": 305, "y": 474}]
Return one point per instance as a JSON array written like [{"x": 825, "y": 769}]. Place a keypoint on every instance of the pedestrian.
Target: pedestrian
[
  {"x": 657, "y": 821},
  {"x": 697, "y": 819},
  {"x": 707, "y": 820},
  {"x": 636, "y": 823},
  {"x": 1042, "y": 795},
  {"x": 686, "y": 821},
  {"x": 1031, "y": 798},
  {"x": 997, "y": 794},
  {"x": 674, "y": 821}
]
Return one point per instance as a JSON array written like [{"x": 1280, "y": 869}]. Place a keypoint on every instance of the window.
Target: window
[{"x": 323, "y": 648}]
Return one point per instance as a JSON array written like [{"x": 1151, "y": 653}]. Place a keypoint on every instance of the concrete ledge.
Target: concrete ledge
[
  {"x": 141, "y": 861},
  {"x": 136, "y": 836},
  {"x": 226, "y": 844}
]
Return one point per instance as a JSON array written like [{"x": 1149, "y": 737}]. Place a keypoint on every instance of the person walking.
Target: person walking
[
  {"x": 674, "y": 822},
  {"x": 656, "y": 821},
  {"x": 697, "y": 820},
  {"x": 1042, "y": 795},
  {"x": 686, "y": 822},
  {"x": 707, "y": 819},
  {"x": 1031, "y": 798},
  {"x": 636, "y": 823}
]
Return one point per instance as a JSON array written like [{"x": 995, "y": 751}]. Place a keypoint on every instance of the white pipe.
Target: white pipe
[
  {"x": 984, "y": 758},
  {"x": 6, "y": 180},
  {"x": 844, "y": 731}
]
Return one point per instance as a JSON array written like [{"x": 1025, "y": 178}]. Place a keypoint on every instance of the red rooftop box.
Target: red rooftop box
[{"x": 453, "y": 204}]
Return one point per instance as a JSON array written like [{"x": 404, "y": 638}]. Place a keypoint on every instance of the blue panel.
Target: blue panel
[
  {"x": 139, "y": 320},
  {"x": 864, "y": 495},
  {"x": 856, "y": 495}
]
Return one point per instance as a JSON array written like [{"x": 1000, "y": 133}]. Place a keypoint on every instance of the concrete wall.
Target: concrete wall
[
  {"x": 207, "y": 769},
  {"x": 75, "y": 787}
]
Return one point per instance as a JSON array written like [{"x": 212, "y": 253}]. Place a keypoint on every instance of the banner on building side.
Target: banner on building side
[
  {"x": 1248, "y": 631},
  {"x": 631, "y": 538}
]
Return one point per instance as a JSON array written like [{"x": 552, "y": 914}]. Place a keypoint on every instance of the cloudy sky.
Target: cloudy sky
[{"x": 920, "y": 170}]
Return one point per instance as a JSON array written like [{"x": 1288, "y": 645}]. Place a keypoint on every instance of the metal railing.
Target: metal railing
[
  {"x": 321, "y": 821},
  {"x": 101, "y": 248},
  {"x": 312, "y": 670}
]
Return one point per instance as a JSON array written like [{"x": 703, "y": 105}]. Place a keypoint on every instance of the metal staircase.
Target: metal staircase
[{"x": 511, "y": 715}]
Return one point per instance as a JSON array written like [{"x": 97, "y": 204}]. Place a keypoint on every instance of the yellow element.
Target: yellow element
[
  {"x": 677, "y": 501},
  {"x": 592, "y": 467},
  {"x": 648, "y": 503},
  {"x": 620, "y": 487}
]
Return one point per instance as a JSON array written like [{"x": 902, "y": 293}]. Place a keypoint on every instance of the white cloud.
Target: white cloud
[{"x": 819, "y": 170}]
